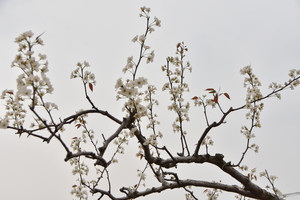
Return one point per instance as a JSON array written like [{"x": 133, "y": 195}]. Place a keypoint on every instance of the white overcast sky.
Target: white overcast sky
[{"x": 222, "y": 37}]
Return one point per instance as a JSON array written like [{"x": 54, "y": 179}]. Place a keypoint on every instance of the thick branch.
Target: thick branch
[
  {"x": 185, "y": 183},
  {"x": 91, "y": 155},
  {"x": 217, "y": 160},
  {"x": 125, "y": 124}
]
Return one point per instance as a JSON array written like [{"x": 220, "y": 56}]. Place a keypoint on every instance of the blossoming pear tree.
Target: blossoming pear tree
[{"x": 92, "y": 155}]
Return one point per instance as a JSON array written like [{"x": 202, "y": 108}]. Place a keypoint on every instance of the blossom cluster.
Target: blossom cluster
[
  {"x": 245, "y": 131},
  {"x": 208, "y": 141},
  {"x": 152, "y": 117},
  {"x": 81, "y": 72},
  {"x": 253, "y": 95},
  {"x": 87, "y": 134},
  {"x": 130, "y": 90},
  {"x": 253, "y": 105},
  {"x": 252, "y": 83},
  {"x": 79, "y": 191},
  {"x": 14, "y": 110},
  {"x": 119, "y": 141},
  {"x": 145, "y": 13},
  {"x": 132, "y": 66},
  {"x": 32, "y": 83},
  {"x": 176, "y": 86},
  {"x": 294, "y": 78},
  {"x": 264, "y": 174},
  {"x": 81, "y": 169},
  {"x": 75, "y": 144},
  {"x": 33, "y": 79},
  {"x": 292, "y": 82},
  {"x": 212, "y": 194},
  {"x": 271, "y": 179},
  {"x": 151, "y": 140},
  {"x": 151, "y": 102}
]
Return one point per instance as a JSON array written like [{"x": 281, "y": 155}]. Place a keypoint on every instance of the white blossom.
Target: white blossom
[
  {"x": 142, "y": 38},
  {"x": 135, "y": 38},
  {"x": 150, "y": 57}
]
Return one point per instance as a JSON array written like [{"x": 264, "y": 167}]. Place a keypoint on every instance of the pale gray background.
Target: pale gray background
[{"x": 222, "y": 36}]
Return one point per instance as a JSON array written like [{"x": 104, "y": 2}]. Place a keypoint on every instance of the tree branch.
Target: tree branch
[{"x": 206, "y": 131}]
